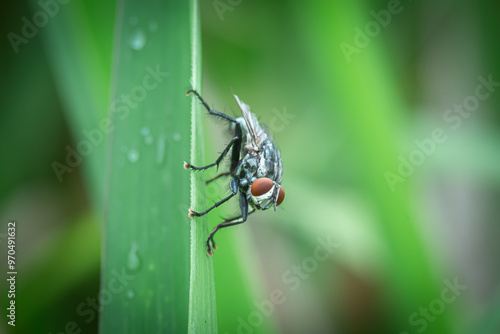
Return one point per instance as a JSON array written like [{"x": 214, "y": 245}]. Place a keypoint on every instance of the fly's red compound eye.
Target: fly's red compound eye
[
  {"x": 261, "y": 186},
  {"x": 281, "y": 196}
]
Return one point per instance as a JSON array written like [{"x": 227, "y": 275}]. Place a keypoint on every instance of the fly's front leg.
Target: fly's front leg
[
  {"x": 244, "y": 215},
  {"x": 234, "y": 191},
  {"x": 211, "y": 111},
  {"x": 219, "y": 159},
  {"x": 236, "y": 141}
]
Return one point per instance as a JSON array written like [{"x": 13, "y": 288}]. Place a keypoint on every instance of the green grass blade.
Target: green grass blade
[
  {"x": 147, "y": 234},
  {"x": 202, "y": 309}
]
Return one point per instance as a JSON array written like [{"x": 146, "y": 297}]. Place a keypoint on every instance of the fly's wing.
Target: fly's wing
[{"x": 249, "y": 120}]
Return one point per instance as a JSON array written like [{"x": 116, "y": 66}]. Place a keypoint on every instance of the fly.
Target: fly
[{"x": 256, "y": 169}]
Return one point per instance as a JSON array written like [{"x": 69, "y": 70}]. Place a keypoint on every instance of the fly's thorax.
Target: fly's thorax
[
  {"x": 248, "y": 166},
  {"x": 263, "y": 163}
]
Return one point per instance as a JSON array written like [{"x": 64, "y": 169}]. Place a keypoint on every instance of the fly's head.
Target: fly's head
[{"x": 266, "y": 193}]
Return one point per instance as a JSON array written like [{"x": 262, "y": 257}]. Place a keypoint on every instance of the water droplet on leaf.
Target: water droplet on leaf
[
  {"x": 133, "y": 260},
  {"x": 133, "y": 156},
  {"x": 145, "y": 131},
  {"x": 137, "y": 39}
]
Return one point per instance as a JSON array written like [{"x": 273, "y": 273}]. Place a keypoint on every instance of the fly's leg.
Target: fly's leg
[
  {"x": 244, "y": 215},
  {"x": 216, "y": 177},
  {"x": 235, "y": 156},
  {"x": 236, "y": 141},
  {"x": 210, "y": 111},
  {"x": 193, "y": 213},
  {"x": 237, "y": 217},
  {"x": 219, "y": 159},
  {"x": 229, "y": 220},
  {"x": 234, "y": 191},
  {"x": 235, "y": 153}
]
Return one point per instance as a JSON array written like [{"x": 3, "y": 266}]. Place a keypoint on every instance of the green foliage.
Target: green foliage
[
  {"x": 147, "y": 229},
  {"x": 115, "y": 77}
]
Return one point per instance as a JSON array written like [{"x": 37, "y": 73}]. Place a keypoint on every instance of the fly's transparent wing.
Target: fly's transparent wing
[{"x": 249, "y": 119}]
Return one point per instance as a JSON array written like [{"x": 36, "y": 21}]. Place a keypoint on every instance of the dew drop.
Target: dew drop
[
  {"x": 177, "y": 136},
  {"x": 133, "y": 260},
  {"x": 133, "y": 156},
  {"x": 130, "y": 294},
  {"x": 145, "y": 131},
  {"x": 137, "y": 39}
]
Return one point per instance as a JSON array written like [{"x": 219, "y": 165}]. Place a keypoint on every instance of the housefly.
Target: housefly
[{"x": 256, "y": 169}]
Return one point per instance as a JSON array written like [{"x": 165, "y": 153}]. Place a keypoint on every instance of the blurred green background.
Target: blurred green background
[{"x": 369, "y": 103}]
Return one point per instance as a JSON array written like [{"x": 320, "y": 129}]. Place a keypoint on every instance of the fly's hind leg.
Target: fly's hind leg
[{"x": 244, "y": 215}]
